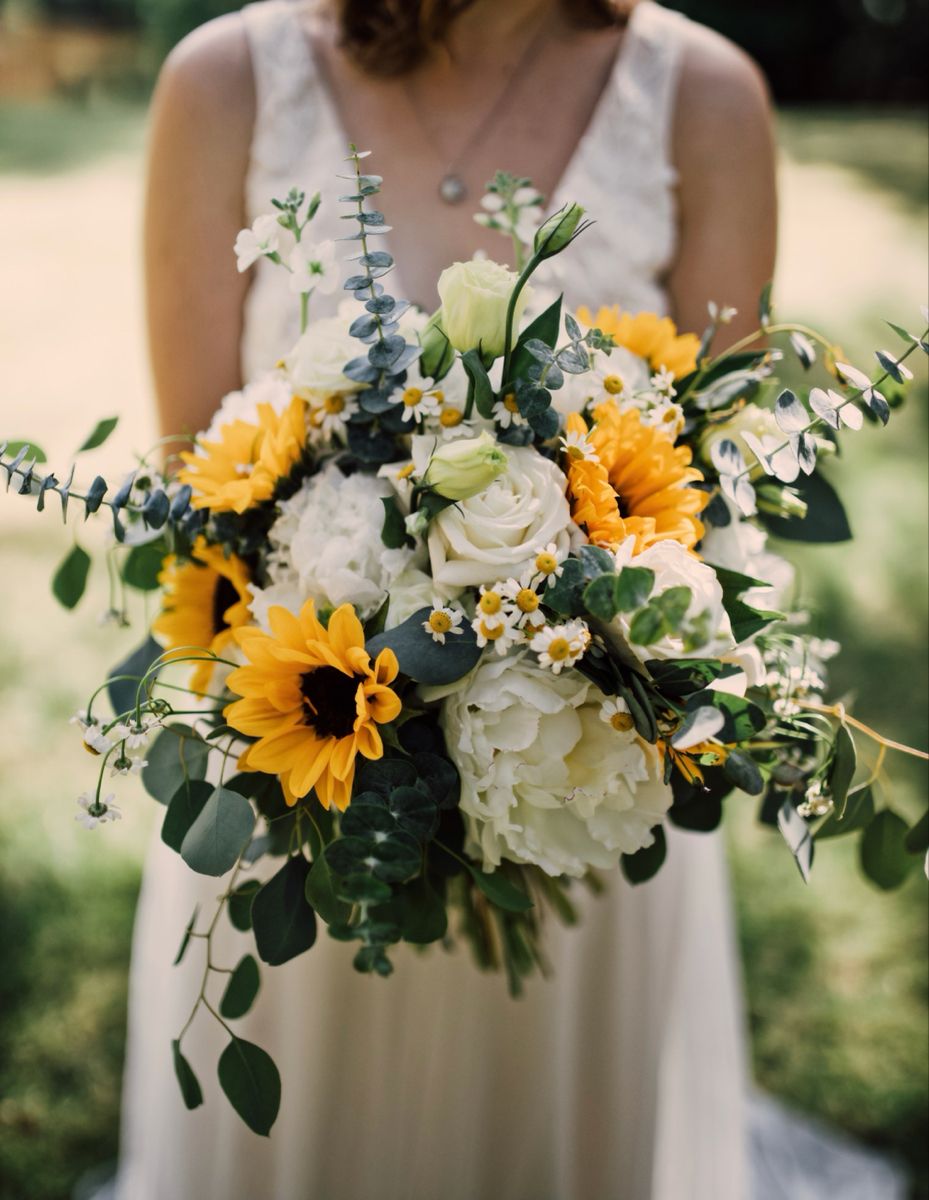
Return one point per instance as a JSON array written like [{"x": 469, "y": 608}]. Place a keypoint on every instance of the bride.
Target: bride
[{"x": 622, "y": 1075}]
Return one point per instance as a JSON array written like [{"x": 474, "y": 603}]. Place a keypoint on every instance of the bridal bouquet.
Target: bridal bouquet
[{"x": 458, "y": 612}]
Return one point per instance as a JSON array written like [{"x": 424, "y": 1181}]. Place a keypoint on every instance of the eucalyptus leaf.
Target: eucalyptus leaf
[
  {"x": 633, "y": 587},
  {"x": 883, "y": 853},
  {"x": 917, "y": 839},
  {"x": 252, "y": 1084},
  {"x": 321, "y": 896},
  {"x": 423, "y": 659},
  {"x": 176, "y": 755},
  {"x": 858, "y": 812},
  {"x": 185, "y": 806},
  {"x": 283, "y": 922},
  {"x": 70, "y": 578},
  {"x": 143, "y": 565},
  {"x": 842, "y": 770},
  {"x": 241, "y": 990},
  {"x": 700, "y": 725},
  {"x": 123, "y": 683},
  {"x": 191, "y": 1091},
  {"x": 219, "y": 834},
  {"x": 647, "y": 862},
  {"x": 500, "y": 890},
  {"x": 796, "y": 834}
]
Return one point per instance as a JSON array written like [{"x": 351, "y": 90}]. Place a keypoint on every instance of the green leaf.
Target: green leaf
[
  {"x": 220, "y": 833},
  {"x": 500, "y": 890},
  {"x": 480, "y": 381},
  {"x": 320, "y": 894},
  {"x": 647, "y": 862},
  {"x": 34, "y": 453},
  {"x": 842, "y": 770},
  {"x": 825, "y": 520},
  {"x": 241, "y": 989},
  {"x": 123, "y": 681},
  {"x": 566, "y": 595},
  {"x": 673, "y": 603},
  {"x": 858, "y": 812},
  {"x": 98, "y": 435},
  {"x": 176, "y": 755},
  {"x": 188, "y": 934},
  {"x": 283, "y": 922},
  {"x": 70, "y": 579},
  {"x": 252, "y": 1084},
  {"x": 189, "y": 1084},
  {"x": 746, "y": 621},
  {"x": 362, "y": 888},
  {"x": 633, "y": 587},
  {"x": 883, "y": 853},
  {"x": 185, "y": 806},
  {"x": 423, "y": 659},
  {"x": 648, "y": 626},
  {"x": 143, "y": 565},
  {"x": 239, "y": 904},
  {"x": 917, "y": 840},
  {"x": 600, "y": 597},
  {"x": 742, "y": 770},
  {"x": 414, "y": 811},
  {"x": 743, "y": 718},
  {"x": 796, "y": 833},
  {"x": 545, "y": 328},
  {"x": 421, "y": 912},
  {"x": 700, "y": 724},
  {"x": 393, "y": 531}
]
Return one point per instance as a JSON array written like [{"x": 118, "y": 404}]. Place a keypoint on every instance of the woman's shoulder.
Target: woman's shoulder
[
  {"x": 209, "y": 75},
  {"x": 714, "y": 73}
]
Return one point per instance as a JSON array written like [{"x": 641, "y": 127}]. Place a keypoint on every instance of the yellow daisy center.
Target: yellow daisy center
[
  {"x": 405, "y": 472},
  {"x": 613, "y": 384},
  {"x": 438, "y": 395},
  {"x": 621, "y": 722},
  {"x": 509, "y": 403},
  {"x": 439, "y": 622},
  {"x": 489, "y": 603},
  {"x": 527, "y": 600},
  {"x": 559, "y": 648},
  {"x": 450, "y": 417},
  {"x": 546, "y": 563},
  {"x": 412, "y": 396},
  {"x": 334, "y": 404},
  {"x": 491, "y": 632}
]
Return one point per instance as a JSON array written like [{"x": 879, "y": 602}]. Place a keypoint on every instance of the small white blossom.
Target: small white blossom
[
  {"x": 548, "y": 563},
  {"x": 443, "y": 621},
  {"x": 507, "y": 414},
  {"x": 721, "y": 315},
  {"x": 665, "y": 415},
  {"x": 576, "y": 445},
  {"x": 418, "y": 404},
  {"x": 314, "y": 268},
  {"x": 96, "y": 740},
  {"x": 615, "y": 712},
  {"x": 330, "y": 417},
  {"x": 497, "y": 630},
  {"x": 264, "y": 237},
  {"x": 81, "y": 718},
  {"x": 816, "y": 804},
  {"x": 663, "y": 382},
  {"x": 524, "y": 602},
  {"x": 561, "y": 645},
  {"x": 96, "y": 812}
]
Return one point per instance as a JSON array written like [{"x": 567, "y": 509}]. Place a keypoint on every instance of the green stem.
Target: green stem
[{"x": 521, "y": 282}]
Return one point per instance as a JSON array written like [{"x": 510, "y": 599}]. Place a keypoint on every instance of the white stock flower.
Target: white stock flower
[
  {"x": 543, "y": 779},
  {"x": 676, "y": 567},
  {"x": 314, "y": 268},
  {"x": 498, "y": 532},
  {"x": 242, "y": 405},
  {"x": 475, "y": 296},
  {"x": 326, "y": 544},
  {"x": 266, "y": 236},
  {"x": 314, "y": 365}
]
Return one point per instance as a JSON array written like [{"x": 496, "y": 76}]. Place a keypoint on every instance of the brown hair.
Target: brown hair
[{"x": 390, "y": 37}]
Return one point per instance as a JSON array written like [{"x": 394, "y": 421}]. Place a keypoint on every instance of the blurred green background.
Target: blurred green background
[{"x": 836, "y": 972}]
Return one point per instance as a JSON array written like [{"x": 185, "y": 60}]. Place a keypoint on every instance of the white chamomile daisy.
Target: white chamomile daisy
[
  {"x": 124, "y": 765},
  {"x": 665, "y": 415},
  {"x": 96, "y": 741},
  {"x": 663, "y": 382},
  {"x": 577, "y": 446},
  {"x": 330, "y": 416},
  {"x": 561, "y": 645},
  {"x": 615, "y": 712},
  {"x": 498, "y": 631},
  {"x": 721, "y": 315},
  {"x": 506, "y": 412},
  {"x": 442, "y": 622},
  {"x": 524, "y": 603},
  {"x": 96, "y": 812},
  {"x": 417, "y": 404},
  {"x": 548, "y": 564}
]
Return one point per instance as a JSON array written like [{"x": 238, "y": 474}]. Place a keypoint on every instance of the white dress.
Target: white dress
[{"x": 620, "y": 1078}]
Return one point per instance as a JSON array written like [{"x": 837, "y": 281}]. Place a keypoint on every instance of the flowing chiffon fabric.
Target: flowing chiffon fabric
[{"x": 619, "y": 1078}]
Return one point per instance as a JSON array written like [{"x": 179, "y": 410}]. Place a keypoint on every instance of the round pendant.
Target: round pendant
[{"x": 452, "y": 189}]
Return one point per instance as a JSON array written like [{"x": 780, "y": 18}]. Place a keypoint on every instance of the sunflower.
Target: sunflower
[
  {"x": 205, "y": 600},
  {"x": 244, "y": 466},
  {"x": 649, "y": 336},
  {"x": 313, "y": 699},
  {"x": 638, "y": 485}
]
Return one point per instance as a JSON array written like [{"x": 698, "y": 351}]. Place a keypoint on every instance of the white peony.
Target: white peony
[
  {"x": 326, "y": 544},
  {"x": 315, "y": 364},
  {"x": 544, "y": 779},
  {"x": 676, "y": 567},
  {"x": 498, "y": 532},
  {"x": 270, "y": 389}
]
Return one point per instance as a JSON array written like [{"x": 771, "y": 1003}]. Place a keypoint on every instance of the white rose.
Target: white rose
[
  {"x": 750, "y": 419},
  {"x": 544, "y": 779},
  {"x": 496, "y": 533},
  {"x": 326, "y": 544},
  {"x": 315, "y": 364},
  {"x": 475, "y": 296},
  {"x": 676, "y": 567},
  {"x": 270, "y": 389}
]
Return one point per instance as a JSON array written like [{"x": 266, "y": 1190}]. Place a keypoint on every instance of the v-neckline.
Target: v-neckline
[{"x": 318, "y": 74}]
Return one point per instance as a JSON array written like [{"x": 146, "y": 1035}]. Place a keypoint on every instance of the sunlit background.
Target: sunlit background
[{"x": 836, "y": 971}]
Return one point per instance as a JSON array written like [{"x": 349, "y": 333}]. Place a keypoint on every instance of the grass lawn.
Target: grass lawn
[{"x": 836, "y": 973}]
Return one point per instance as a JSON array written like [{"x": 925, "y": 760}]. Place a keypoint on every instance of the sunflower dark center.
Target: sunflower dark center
[
  {"x": 224, "y": 596},
  {"x": 329, "y": 701}
]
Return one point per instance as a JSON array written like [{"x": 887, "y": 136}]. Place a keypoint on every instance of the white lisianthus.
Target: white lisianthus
[
  {"x": 475, "y": 296},
  {"x": 270, "y": 389},
  {"x": 760, "y": 422},
  {"x": 619, "y": 375},
  {"x": 465, "y": 467},
  {"x": 326, "y": 545},
  {"x": 314, "y": 268},
  {"x": 497, "y": 533},
  {"x": 676, "y": 567},
  {"x": 314, "y": 365},
  {"x": 544, "y": 780},
  {"x": 266, "y": 236}
]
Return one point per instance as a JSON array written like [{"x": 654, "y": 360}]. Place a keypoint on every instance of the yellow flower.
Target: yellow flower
[
  {"x": 205, "y": 600},
  {"x": 649, "y": 336},
  {"x": 688, "y": 761},
  {"x": 313, "y": 699},
  {"x": 638, "y": 485},
  {"x": 243, "y": 468}
]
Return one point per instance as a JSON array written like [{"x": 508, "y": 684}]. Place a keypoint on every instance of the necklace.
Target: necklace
[{"x": 452, "y": 188}]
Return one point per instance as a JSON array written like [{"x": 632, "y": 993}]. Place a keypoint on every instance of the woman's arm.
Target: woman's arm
[
  {"x": 201, "y": 124},
  {"x": 724, "y": 151}
]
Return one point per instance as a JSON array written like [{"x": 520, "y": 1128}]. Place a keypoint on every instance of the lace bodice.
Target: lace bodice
[{"x": 621, "y": 169}]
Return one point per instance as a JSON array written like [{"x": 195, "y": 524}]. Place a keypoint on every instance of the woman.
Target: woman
[{"x": 622, "y": 1075}]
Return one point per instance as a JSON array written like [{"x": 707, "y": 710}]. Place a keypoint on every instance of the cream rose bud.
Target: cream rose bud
[
  {"x": 475, "y": 296},
  {"x": 315, "y": 364},
  {"x": 460, "y": 469},
  {"x": 496, "y": 533},
  {"x": 750, "y": 419}
]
